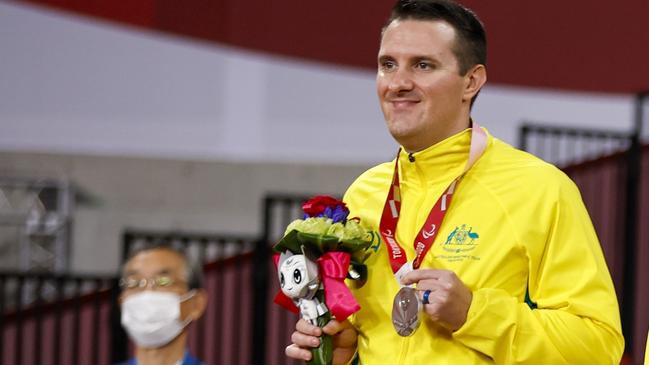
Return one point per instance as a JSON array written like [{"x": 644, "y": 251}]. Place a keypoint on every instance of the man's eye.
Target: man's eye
[
  {"x": 388, "y": 65},
  {"x": 424, "y": 66},
  {"x": 130, "y": 283},
  {"x": 163, "y": 281}
]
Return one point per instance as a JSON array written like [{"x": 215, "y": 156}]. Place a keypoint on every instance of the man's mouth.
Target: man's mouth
[{"x": 403, "y": 103}]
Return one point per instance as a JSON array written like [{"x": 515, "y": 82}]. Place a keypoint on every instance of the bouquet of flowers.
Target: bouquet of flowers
[{"x": 313, "y": 259}]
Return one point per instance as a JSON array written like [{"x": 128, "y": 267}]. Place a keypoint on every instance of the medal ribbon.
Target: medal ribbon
[{"x": 428, "y": 232}]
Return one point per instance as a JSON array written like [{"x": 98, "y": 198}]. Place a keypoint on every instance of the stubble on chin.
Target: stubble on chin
[{"x": 400, "y": 130}]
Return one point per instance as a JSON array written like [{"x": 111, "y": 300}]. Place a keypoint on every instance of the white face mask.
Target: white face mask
[{"x": 152, "y": 318}]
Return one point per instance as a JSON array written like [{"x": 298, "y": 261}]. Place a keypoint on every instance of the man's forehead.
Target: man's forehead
[
  {"x": 418, "y": 24},
  {"x": 155, "y": 262},
  {"x": 420, "y": 34}
]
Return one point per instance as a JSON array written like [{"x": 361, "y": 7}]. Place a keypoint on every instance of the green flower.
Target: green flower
[
  {"x": 353, "y": 231},
  {"x": 337, "y": 230},
  {"x": 318, "y": 225},
  {"x": 295, "y": 225},
  {"x": 320, "y": 234}
]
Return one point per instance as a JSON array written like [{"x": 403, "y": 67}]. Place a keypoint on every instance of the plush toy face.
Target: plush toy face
[{"x": 294, "y": 276}]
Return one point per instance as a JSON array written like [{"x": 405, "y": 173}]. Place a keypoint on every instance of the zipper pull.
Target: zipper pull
[{"x": 411, "y": 157}]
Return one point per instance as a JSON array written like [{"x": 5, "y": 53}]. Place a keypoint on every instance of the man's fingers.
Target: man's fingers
[
  {"x": 448, "y": 298},
  {"x": 346, "y": 338},
  {"x": 295, "y": 352},
  {"x": 333, "y": 327},
  {"x": 307, "y": 328},
  {"x": 345, "y": 334},
  {"x": 425, "y": 274},
  {"x": 436, "y": 288},
  {"x": 306, "y": 337},
  {"x": 303, "y": 340}
]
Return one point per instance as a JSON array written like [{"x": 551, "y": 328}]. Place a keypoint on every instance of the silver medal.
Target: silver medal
[{"x": 405, "y": 311}]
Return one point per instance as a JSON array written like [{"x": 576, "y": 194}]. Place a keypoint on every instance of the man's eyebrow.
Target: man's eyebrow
[
  {"x": 383, "y": 58},
  {"x": 163, "y": 271},
  {"x": 429, "y": 58}
]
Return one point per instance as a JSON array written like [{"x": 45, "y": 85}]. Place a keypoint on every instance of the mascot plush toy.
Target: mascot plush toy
[{"x": 314, "y": 258}]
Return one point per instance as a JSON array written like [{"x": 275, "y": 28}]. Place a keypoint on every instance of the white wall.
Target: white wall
[{"x": 78, "y": 86}]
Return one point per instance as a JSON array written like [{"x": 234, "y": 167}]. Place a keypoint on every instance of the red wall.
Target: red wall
[{"x": 580, "y": 45}]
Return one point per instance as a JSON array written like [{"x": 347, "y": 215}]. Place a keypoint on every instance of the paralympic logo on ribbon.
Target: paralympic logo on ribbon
[{"x": 428, "y": 234}]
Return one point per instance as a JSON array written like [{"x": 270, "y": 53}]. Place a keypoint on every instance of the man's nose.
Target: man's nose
[{"x": 401, "y": 80}]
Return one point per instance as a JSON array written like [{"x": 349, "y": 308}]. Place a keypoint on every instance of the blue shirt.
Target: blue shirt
[{"x": 187, "y": 360}]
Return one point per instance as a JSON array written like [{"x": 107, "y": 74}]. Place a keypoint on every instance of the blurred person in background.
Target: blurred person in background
[{"x": 161, "y": 295}]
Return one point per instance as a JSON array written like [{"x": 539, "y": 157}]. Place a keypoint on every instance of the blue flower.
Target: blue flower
[{"x": 339, "y": 214}]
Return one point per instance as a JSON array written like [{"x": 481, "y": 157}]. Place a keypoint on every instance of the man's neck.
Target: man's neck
[
  {"x": 169, "y": 354},
  {"x": 418, "y": 146}
]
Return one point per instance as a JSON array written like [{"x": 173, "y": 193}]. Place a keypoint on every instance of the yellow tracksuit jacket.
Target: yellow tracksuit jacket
[{"x": 517, "y": 228}]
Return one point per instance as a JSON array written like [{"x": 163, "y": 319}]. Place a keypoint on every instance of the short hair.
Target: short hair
[
  {"x": 470, "y": 46},
  {"x": 193, "y": 271}
]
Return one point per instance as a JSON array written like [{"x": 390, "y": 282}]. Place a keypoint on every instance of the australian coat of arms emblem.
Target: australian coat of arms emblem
[{"x": 462, "y": 238}]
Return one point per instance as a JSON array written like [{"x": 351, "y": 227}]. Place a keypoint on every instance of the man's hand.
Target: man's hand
[
  {"x": 306, "y": 336},
  {"x": 449, "y": 299}
]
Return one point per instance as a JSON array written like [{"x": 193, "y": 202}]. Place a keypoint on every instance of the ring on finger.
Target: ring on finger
[{"x": 424, "y": 298}]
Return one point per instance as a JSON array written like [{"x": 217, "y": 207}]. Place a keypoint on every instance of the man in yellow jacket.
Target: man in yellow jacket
[{"x": 495, "y": 244}]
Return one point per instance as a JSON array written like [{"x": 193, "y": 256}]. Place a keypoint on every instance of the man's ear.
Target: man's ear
[
  {"x": 198, "y": 304},
  {"x": 475, "y": 78}
]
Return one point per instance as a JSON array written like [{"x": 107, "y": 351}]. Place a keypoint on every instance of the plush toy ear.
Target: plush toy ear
[
  {"x": 308, "y": 253},
  {"x": 283, "y": 257},
  {"x": 311, "y": 265}
]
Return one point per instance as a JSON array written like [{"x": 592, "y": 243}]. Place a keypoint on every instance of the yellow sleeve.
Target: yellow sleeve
[
  {"x": 646, "y": 352},
  {"x": 572, "y": 316}
]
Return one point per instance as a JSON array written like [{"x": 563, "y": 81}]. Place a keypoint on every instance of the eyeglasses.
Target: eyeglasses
[{"x": 158, "y": 282}]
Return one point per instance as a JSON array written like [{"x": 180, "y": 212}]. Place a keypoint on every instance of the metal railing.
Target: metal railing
[
  {"x": 75, "y": 319},
  {"x": 64, "y": 313},
  {"x": 564, "y": 146},
  {"x": 272, "y": 325}
]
